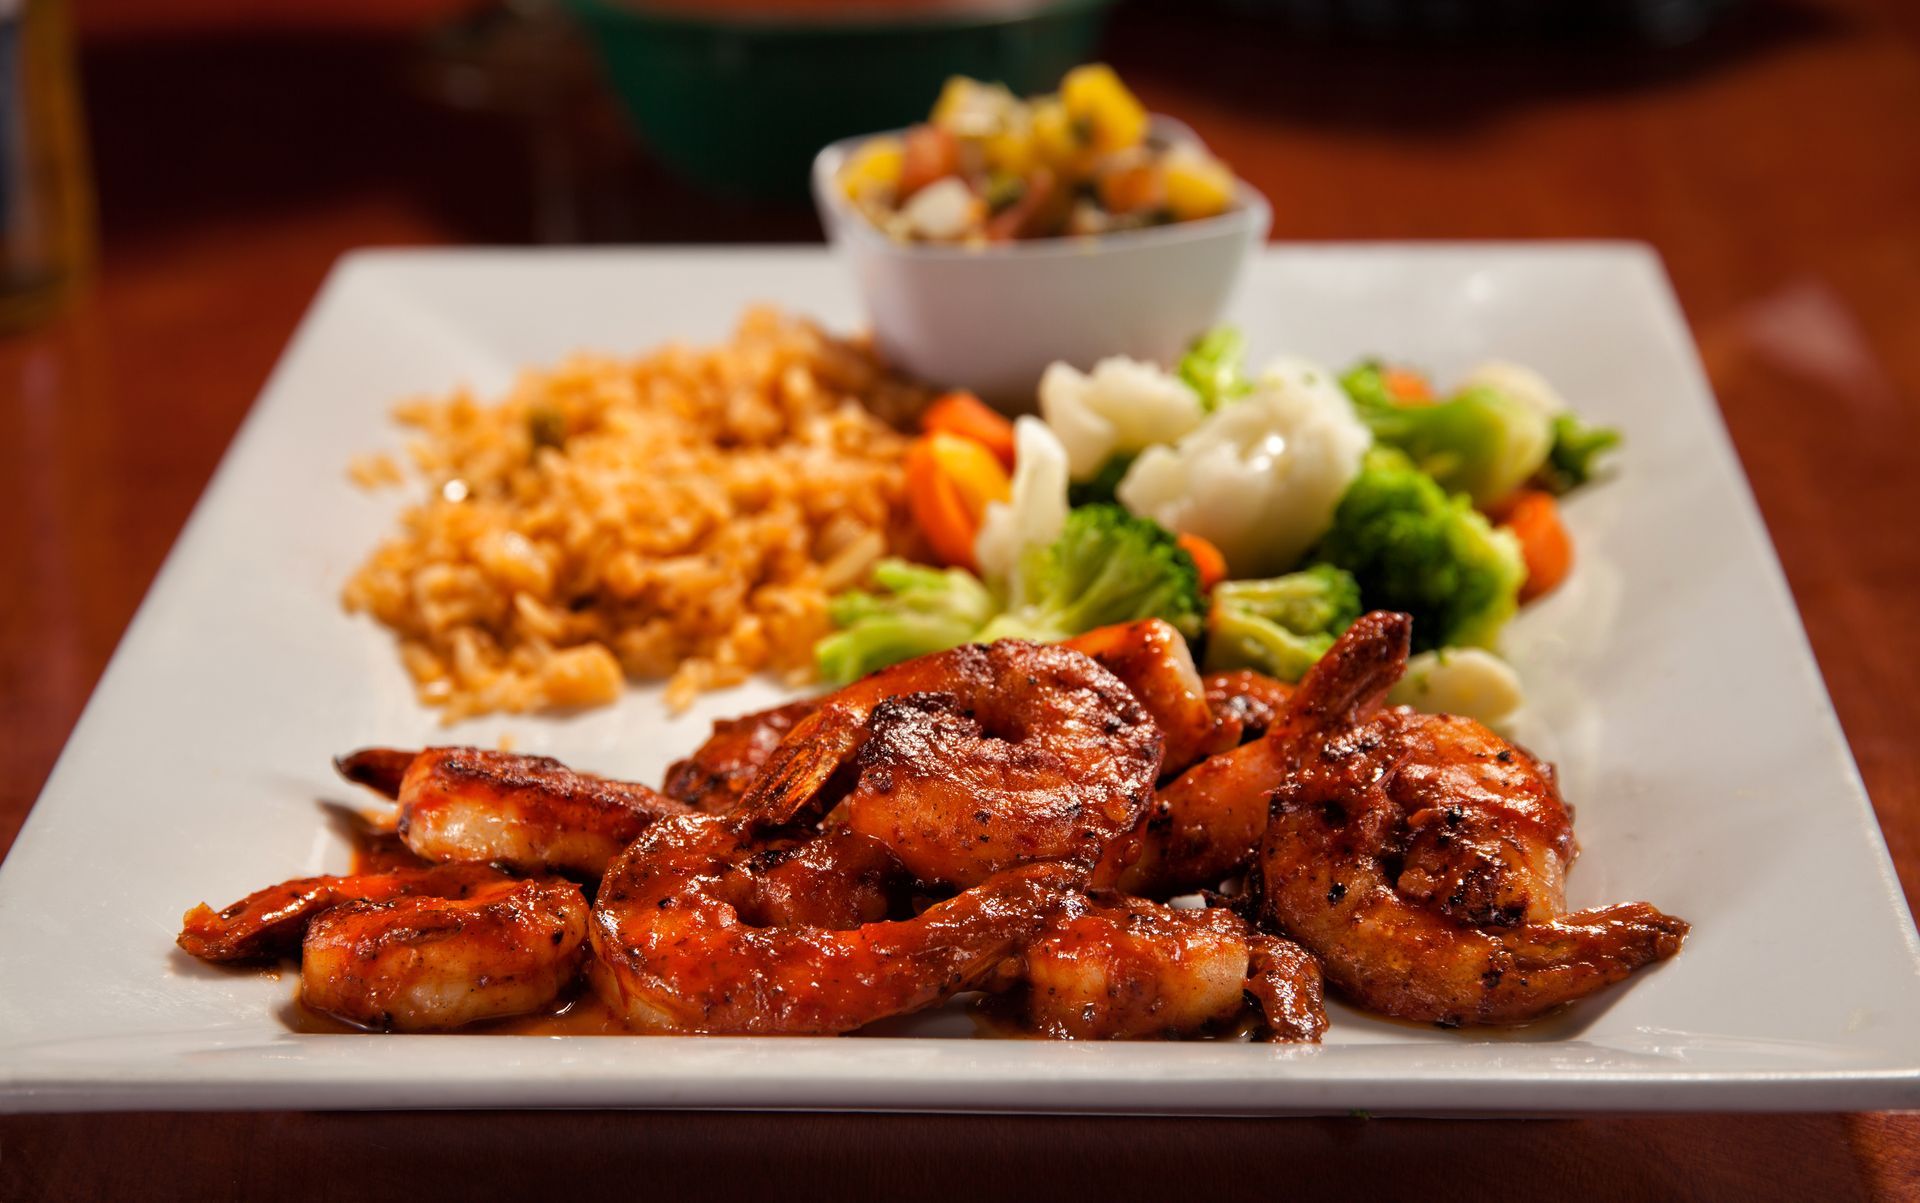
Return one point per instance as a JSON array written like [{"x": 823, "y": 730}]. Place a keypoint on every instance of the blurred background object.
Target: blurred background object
[
  {"x": 46, "y": 195},
  {"x": 1667, "y": 22},
  {"x": 565, "y": 121},
  {"x": 738, "y": 95}
]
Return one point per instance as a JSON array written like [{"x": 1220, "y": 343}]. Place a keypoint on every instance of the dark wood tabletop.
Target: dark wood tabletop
[{"x": 1775, "y": 165}]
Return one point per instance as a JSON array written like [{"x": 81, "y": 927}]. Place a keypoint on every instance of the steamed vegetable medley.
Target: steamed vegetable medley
[
  {"x": 990, "y": 167},
  {"x": 1259, "y": 514}
]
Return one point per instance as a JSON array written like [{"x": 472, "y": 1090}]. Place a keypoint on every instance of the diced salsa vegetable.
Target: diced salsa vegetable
[{"x": 989, "y": 167}]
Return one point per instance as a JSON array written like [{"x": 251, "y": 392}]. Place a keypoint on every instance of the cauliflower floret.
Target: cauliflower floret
[
  {"x": 1260, "y": 478},
  {"x": 943, "y": 211},
  {"x": 968, "y": 108},
  {"x": 1518, "y": 383},
  {"x": 1460, "y": 680},
  {"x": 1035, "y": 512},
  {"x": 1120, "y": 407}
]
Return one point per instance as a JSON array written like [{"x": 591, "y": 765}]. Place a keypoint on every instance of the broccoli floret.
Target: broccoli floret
[
  {"x": 1215, "y": 367},
  {"x": 1366, "y": 386},
  {"x": 923, "y": 610},
  {"x": 1107, "y": 566},
  {"x": 1280, "y": 625},
  {"x": 1413, "y": 548},
  {"x": 1576, "y": 446},
  {"x": 1480, "y": 441}
]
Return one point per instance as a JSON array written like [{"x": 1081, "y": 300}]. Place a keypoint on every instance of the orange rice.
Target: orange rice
[{"x": 682, "y": 516}]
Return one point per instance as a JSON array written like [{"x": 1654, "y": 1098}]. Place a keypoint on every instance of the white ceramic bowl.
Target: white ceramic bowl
[{"x": 992, "y": 318}]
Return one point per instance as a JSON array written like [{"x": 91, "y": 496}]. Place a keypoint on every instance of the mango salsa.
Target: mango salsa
[
  {"x": 875, "y": 167},
  {"x": 1056, "y": 142},
  {"x": 988, "y": 166},
  {"x": 1098, "y": 103},
  {"x": 1197, "y": 184}
]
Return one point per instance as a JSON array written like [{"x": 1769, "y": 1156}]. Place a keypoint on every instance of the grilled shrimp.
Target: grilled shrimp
[
  {"x": 423, "y": 963},
  {"x": 838, "y": 879},
  {"x": 273, "y": 921},
  {"x": 1202, "y": 827},
  {"x": 1248, "y": 700},
  {"x": 1423, "y": 859},
  {"x": 1205, "y": 825},
  {"x": 967, "y": 762},
  {"x": 1003, "y": 771},
  {"x": 1151, "y": 658},
  {"x": 1110, "y": 967},
  {"x": 687, "y": 939},
  {"x": 720, "y": 770},
  {"x": 529, "y": 813}
]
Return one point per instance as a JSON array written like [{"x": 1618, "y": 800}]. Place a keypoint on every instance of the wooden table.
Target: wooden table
[{"x": 1775, "y": 166}]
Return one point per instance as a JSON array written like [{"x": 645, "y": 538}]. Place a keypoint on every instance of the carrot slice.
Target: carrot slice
[
  {"x": 1534, "y": 517},
  {"x": 1407, "y": 386},
  {"x": 1132, "y": 187},
  {"x": 962, "y": 414},
  {"x": 931, "y": 153},
  {"x": 950, "y": 483},
  {"x": 1207, "y": 558}
]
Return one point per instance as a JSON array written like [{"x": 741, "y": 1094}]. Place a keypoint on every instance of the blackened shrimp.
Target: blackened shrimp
[
  {"x": 1203, "y": 826},
  {"x": 1152, "y": 660},
  {"x": 1110, "y": 967},
  {"x": 836, "y": 879},
  {"x": 424, "y": 963},
  {"x": 1149, "y": 657},
  {"x": 720, "y": 770},
  {"x": 1247, "y": 700},
  {"x": 1206, "y": 824},
  {"x": 1423, "y": 859},
  {"x": 529, "y": 813},
  {"x": 687, "y": 939},
  {"x": 971, "y": 761},
  {"x": 272, "y": 922}
]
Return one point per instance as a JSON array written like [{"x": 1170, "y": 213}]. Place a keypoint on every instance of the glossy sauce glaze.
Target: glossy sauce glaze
[
  {"x": 379, "y": 851},
  {"x": 579, "y": 1012}
]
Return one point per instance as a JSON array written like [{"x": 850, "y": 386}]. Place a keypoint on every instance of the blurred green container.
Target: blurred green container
[{"x": 740, "y": 105}]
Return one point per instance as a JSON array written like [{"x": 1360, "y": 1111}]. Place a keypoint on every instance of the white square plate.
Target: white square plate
[{"x": 1670, "y": 680}]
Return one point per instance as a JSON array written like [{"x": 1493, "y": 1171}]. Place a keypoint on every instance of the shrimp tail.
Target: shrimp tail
[
  {"x": 793, "y": 784},
  {"x": 271, "y": 922},
  {"x": 1285, "y": 981},
  {"x": 379, "y": 769},
  {"x": 1353, "y": 678}
]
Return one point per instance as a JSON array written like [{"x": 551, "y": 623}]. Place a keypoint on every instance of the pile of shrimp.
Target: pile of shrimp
[{"x": 1098, "y": 841}]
